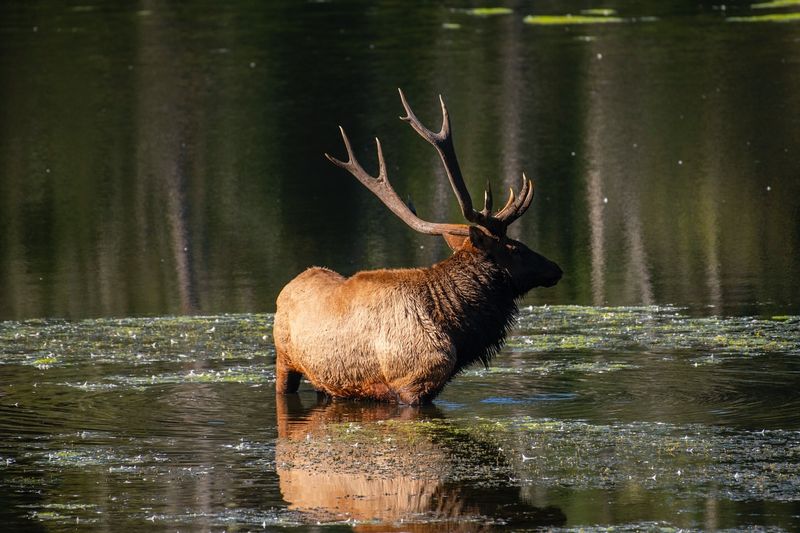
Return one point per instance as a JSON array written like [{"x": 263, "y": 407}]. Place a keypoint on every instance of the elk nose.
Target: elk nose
[{"x": 553, "y": 275}]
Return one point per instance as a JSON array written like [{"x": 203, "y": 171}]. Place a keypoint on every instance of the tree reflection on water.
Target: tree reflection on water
[{"x": 178, "y": 168}]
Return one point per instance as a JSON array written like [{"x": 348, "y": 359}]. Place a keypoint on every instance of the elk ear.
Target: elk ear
[
  {"x": 455, "y": 242},
  {"x": 480, "y": 238}
]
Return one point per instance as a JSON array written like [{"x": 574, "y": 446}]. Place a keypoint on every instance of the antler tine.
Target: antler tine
[
  {"x": 428, "y": 135},
  {"x": 514, "y": 201},
  {"x": 509, "y": 202},
  {"x": 487, "y": 200},
  {"x": 381, "y": 188},
  {"x": 514, "y": 208},
  {"x": 529, "y": 197},
  {"x": 443, "y": 142},
  {"x": 354, "y": 167}
]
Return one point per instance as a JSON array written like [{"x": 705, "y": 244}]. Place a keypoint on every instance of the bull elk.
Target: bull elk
[{"x": 402, "y": 335}]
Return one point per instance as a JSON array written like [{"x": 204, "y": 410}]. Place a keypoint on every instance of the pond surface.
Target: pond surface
[
  {"x": 638, "y": 417},
  {"x": 161, "y": 178},
  {"x": 167, "y": 158}
]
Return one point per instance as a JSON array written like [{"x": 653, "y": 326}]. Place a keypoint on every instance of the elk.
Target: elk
[{"x": 401, "y": 335}]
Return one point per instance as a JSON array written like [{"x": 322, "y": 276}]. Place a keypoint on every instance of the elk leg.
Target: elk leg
[
  {"x": 418, "y": 395},
  {"x": 286, "y": 380}
]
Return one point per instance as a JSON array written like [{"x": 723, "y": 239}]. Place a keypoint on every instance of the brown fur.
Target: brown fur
[{"x": 401, "y": 335}]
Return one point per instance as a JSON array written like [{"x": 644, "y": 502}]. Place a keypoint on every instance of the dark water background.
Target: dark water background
[
  {"x": 167, "y": 158},
  {"x": 161, "y": 178}
]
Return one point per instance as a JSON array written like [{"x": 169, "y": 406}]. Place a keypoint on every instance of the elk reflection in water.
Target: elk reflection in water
[{"x": 392, "y": 467}]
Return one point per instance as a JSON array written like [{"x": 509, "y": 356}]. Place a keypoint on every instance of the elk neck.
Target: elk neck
[{"x": 472, "y": 300}]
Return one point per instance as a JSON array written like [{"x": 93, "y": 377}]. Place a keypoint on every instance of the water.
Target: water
[
  {"x": 161, "y": 178},
  {"x": 591, "y": 417},
  {"x": 168, "y": 159}
]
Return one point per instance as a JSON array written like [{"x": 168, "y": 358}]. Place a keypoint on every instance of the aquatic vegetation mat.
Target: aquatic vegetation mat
[
  {"x": 653, "y": 328},
  {"x": 690, "y": 461},
  {"x": 142, "y": 341}
]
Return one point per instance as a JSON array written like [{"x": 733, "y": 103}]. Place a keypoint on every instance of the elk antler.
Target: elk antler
[
  {"x": 514, "y": 208},
  {"x": 381, "y": 187},
  {"x": 443, "y": 142}
]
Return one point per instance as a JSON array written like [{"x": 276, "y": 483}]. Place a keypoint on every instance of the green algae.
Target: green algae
[
  {"x": 678, "y": 459},
  {"x": 70, "y": 506},
  {"x": 393, "y": 430},
  {"x": 245, "y": 340},
  {"x": 567, "y": 20},
  {"x": 140, "y": 340},
  {"x": 651, "y": 329},
  {"x": 776, "y": 4},
  {"x": 489, "y": 11},
  {"x": 46, "y": 361},
  {"x": 188, "y": 397},
  {"x": 253, "y": 374},
  {"x": 554, "y": 366},
  {"x": 773, "y": 17},
  {"x": 429, "y": 450},
  {"x": 82, "y": 456}
]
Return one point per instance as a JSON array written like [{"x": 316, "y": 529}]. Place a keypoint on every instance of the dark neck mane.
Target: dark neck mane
[{"x": 472, "y": 301}]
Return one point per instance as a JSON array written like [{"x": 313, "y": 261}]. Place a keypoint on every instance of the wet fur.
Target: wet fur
[{"x": 392, "y": 335}]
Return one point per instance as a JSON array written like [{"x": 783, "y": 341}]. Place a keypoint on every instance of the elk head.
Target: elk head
[{"x": 486, "y": 232}]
